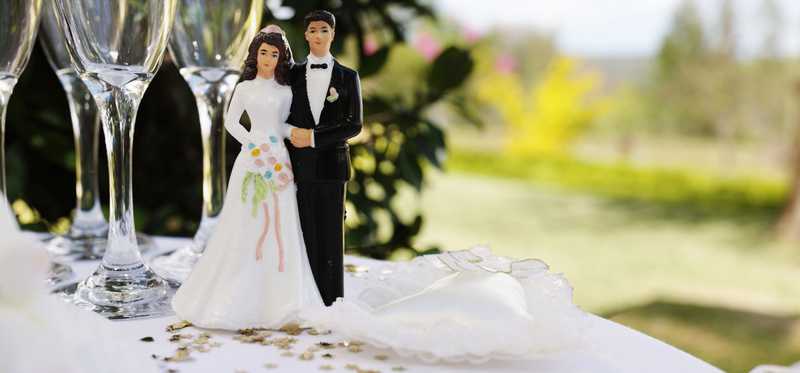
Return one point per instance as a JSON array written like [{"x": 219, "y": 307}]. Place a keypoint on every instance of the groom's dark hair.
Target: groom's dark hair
[{"x": 320, "y": 15}]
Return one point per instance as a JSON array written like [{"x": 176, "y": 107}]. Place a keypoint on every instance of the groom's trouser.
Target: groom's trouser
[{"x": 321, "y": 206}]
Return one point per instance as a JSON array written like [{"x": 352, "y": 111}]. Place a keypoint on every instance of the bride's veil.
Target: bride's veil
[{"x": 278, "y": 29}]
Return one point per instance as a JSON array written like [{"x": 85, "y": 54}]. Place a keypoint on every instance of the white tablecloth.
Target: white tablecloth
[{"x": 614, "y": 348}]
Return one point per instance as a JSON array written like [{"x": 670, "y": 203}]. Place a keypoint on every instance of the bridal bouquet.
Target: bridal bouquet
[{"x": 268, "y": 172}]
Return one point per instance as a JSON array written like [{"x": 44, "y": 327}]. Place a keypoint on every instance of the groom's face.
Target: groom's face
[{"x": 319, "y": 36}]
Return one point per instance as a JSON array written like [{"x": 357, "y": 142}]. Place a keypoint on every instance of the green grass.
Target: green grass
[{"x": 708, "y": 279}]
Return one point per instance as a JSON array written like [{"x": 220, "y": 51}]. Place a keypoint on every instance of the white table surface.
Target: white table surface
[{"x": 614, "y": 348}]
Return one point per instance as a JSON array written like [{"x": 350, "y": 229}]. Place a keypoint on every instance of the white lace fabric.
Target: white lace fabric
[{"x": 462, "y": 306}]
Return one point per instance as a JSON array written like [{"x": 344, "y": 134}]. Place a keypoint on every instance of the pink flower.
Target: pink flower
[
  {"x": 470, "y": 34},
  {"x": 283, "y": 177},
  {"x": 259, "y": 163},
  {"x": 264, "y": 147},
  {"x": 272, "y": 160},
  {"x": 370, "y": 46},
  {"x": 505, "y": 63},
  {"x": 427, "y": 46}
]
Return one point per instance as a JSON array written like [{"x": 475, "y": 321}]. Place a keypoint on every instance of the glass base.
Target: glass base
[
  {"x": 176, "y": 266},
  {"x": 72, "y": 247},
  {"x": 123, "y": 293},
  {"x": 59, "y": 274}
]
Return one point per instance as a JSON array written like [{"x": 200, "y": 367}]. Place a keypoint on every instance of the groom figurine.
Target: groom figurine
[{"x": 326, "y": 111}]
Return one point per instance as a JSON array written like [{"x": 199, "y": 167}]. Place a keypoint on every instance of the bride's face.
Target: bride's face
[{"x": 267, "y": 59}]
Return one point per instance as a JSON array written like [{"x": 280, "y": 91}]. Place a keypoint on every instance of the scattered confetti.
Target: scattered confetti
[
  {"x": 307, "y": 356},
  {"x": 381, "y": 357},
  {"x": 398, "y": 369},
  {"x": 327, "y": 356},
  {"x": 326, "y": 345},
  {"x": 147, "y": 339},
  {"x": 351, "y": 367},
  {"x": 181, "y": 354},
  {"x": 326, "y": 367},
  {"x": 287, "y": 354},
  {"x": 270, "y": 366},
  {"x": 251, "y": 331},
  {"x": 355, "y": 348},
  {"x": 352, "y": 268},
  {"x": 178, "y": 326},
  {"x": 292, "y": 329}
]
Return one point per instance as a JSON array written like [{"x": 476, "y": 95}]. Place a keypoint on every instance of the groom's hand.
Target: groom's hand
[{"x": 301, "y": 137}]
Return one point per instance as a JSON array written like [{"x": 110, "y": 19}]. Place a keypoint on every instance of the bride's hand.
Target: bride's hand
[{"x": 258, "y": 254}]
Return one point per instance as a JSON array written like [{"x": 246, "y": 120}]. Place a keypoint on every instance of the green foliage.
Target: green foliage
[
  {"x": 398, "y": 141},
  {"x": 694, "y": 193}
]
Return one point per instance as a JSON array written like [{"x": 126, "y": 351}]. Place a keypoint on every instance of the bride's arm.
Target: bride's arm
[
  {"x": 233, "y": 115},
  {"x": 285, "y": 111}
]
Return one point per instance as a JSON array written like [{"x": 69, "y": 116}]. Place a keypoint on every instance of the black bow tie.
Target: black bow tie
[{"x": 319, "y": 65}]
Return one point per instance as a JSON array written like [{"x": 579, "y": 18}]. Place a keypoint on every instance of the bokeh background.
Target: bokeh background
[{"x": 649, "y": 150}]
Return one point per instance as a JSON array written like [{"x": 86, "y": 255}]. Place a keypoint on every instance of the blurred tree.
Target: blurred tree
[
  {"x": 772, "y": 23},
  {"x": 685, "y": 43},
  {"x": 548, "y": 118},
  {"x": 727, "y": 45},
  {"x": 398, "y": 142}
]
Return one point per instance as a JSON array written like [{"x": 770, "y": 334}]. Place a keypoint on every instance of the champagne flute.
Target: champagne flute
[
  {"x": 209, "y": 44},
  {"x": 19, "y": 20},
  {"x": 116, "y": 46},
  {"x": 86, "y": 239}
]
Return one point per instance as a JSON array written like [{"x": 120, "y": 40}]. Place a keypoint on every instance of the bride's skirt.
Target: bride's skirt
[
  {"x": 461, "y": 306},
  {"x": 231, "y": 287}
]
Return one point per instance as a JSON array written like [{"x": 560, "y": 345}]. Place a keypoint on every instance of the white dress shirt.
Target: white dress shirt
[{"x": 317, "y": 83}]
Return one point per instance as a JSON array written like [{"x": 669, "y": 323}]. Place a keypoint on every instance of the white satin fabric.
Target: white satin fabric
[
  {"x": 462, "y": 306},
  {"x": 229, "y": 288},
  {"x": 41, "y": 333}
]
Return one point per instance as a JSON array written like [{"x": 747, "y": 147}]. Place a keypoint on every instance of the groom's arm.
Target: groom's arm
[{"x": 350, "y": 122}]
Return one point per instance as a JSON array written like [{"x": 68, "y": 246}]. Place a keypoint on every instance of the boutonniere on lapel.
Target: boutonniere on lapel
[{"x": 332, "y": 95}]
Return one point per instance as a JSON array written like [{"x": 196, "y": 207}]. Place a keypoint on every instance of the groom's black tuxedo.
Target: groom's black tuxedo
[{"x": 322, "y": 171}]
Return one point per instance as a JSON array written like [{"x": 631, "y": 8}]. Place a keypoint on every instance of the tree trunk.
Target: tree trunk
[{"x": 789, "y": 224}]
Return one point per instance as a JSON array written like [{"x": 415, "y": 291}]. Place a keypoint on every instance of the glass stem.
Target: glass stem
[
  {"x": 118, "y": 109},
  {"x": 3, "y": 105},
  {"x": 85, "y": 129},
  {"x": 7, "y": 84},
  {"x": 211, "y": 100}
]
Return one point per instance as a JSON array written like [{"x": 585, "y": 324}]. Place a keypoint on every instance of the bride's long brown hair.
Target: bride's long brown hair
[{"x": 281, "y": 69}]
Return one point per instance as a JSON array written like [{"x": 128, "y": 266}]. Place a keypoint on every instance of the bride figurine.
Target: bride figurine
[{"x": 255, "y": 270}]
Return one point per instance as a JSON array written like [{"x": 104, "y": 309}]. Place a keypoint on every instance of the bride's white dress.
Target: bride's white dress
[
  {"x": 461, "y": 306},
  {"x": 254, "y": 271}
]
